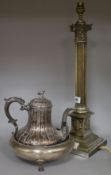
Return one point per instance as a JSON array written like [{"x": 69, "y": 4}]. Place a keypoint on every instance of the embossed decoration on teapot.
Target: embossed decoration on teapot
[
  {"x": 39, "y": 129},
  {"x": 38, "y": 140}
]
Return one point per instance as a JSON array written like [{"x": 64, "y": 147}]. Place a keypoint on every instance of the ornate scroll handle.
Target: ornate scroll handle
[
  {"x": 64, "y": 127},
  {"x": 9, "y": 101}
]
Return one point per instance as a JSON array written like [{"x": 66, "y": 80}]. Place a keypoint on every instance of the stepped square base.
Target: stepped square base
[{"x": 89, "y": 145}]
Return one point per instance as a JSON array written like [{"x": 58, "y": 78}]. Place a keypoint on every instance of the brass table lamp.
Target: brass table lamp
[{"x": 89, "y": 142}]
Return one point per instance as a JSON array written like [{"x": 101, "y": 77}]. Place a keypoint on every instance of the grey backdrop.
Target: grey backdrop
[{"x": 37, "y": 53}]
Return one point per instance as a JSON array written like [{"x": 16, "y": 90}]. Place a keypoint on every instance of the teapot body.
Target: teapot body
[{"x": 39, "y": 129}]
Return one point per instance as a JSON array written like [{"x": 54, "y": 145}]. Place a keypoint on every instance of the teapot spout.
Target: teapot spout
[{"x": 64, "y": 126}]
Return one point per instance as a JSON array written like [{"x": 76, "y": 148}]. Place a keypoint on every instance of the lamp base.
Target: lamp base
[{"x": 88, "y": 145}]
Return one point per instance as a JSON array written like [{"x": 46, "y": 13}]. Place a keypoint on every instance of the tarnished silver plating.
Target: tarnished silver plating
[{"x": 39, "y": 134}]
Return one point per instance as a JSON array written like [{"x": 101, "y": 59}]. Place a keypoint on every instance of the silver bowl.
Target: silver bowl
[{"x": 42, "y": 154}]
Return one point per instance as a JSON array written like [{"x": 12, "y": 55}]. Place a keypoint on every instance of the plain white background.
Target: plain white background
[{"x": 37, "y": 53}]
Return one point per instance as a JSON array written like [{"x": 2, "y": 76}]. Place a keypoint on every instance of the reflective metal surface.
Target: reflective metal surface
[
  {"x": 38, "y": 139},
  {"x": 89, "y": 142},
  {"x": 42, "y": 154}
]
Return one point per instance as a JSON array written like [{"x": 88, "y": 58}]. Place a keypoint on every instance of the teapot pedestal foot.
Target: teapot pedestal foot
[{"x": 40, "y": 166}]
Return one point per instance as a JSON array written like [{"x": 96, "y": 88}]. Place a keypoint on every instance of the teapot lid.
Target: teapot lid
[{"x": 41, "y": 101}]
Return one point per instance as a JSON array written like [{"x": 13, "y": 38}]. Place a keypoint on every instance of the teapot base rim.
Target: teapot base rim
[{"x": 42, "y": 153}]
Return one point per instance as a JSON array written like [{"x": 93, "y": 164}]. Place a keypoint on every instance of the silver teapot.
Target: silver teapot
[{"x": 38, "y": 140}]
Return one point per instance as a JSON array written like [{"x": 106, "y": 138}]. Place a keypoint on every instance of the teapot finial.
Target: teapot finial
[{"x": 41, "y": 94}]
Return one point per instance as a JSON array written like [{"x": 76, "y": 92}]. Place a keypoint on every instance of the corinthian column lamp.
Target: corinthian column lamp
[{"x": 89, "y": 142}]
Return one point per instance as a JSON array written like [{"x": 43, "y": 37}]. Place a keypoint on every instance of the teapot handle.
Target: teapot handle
[{"x": 9, "y": 101}]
